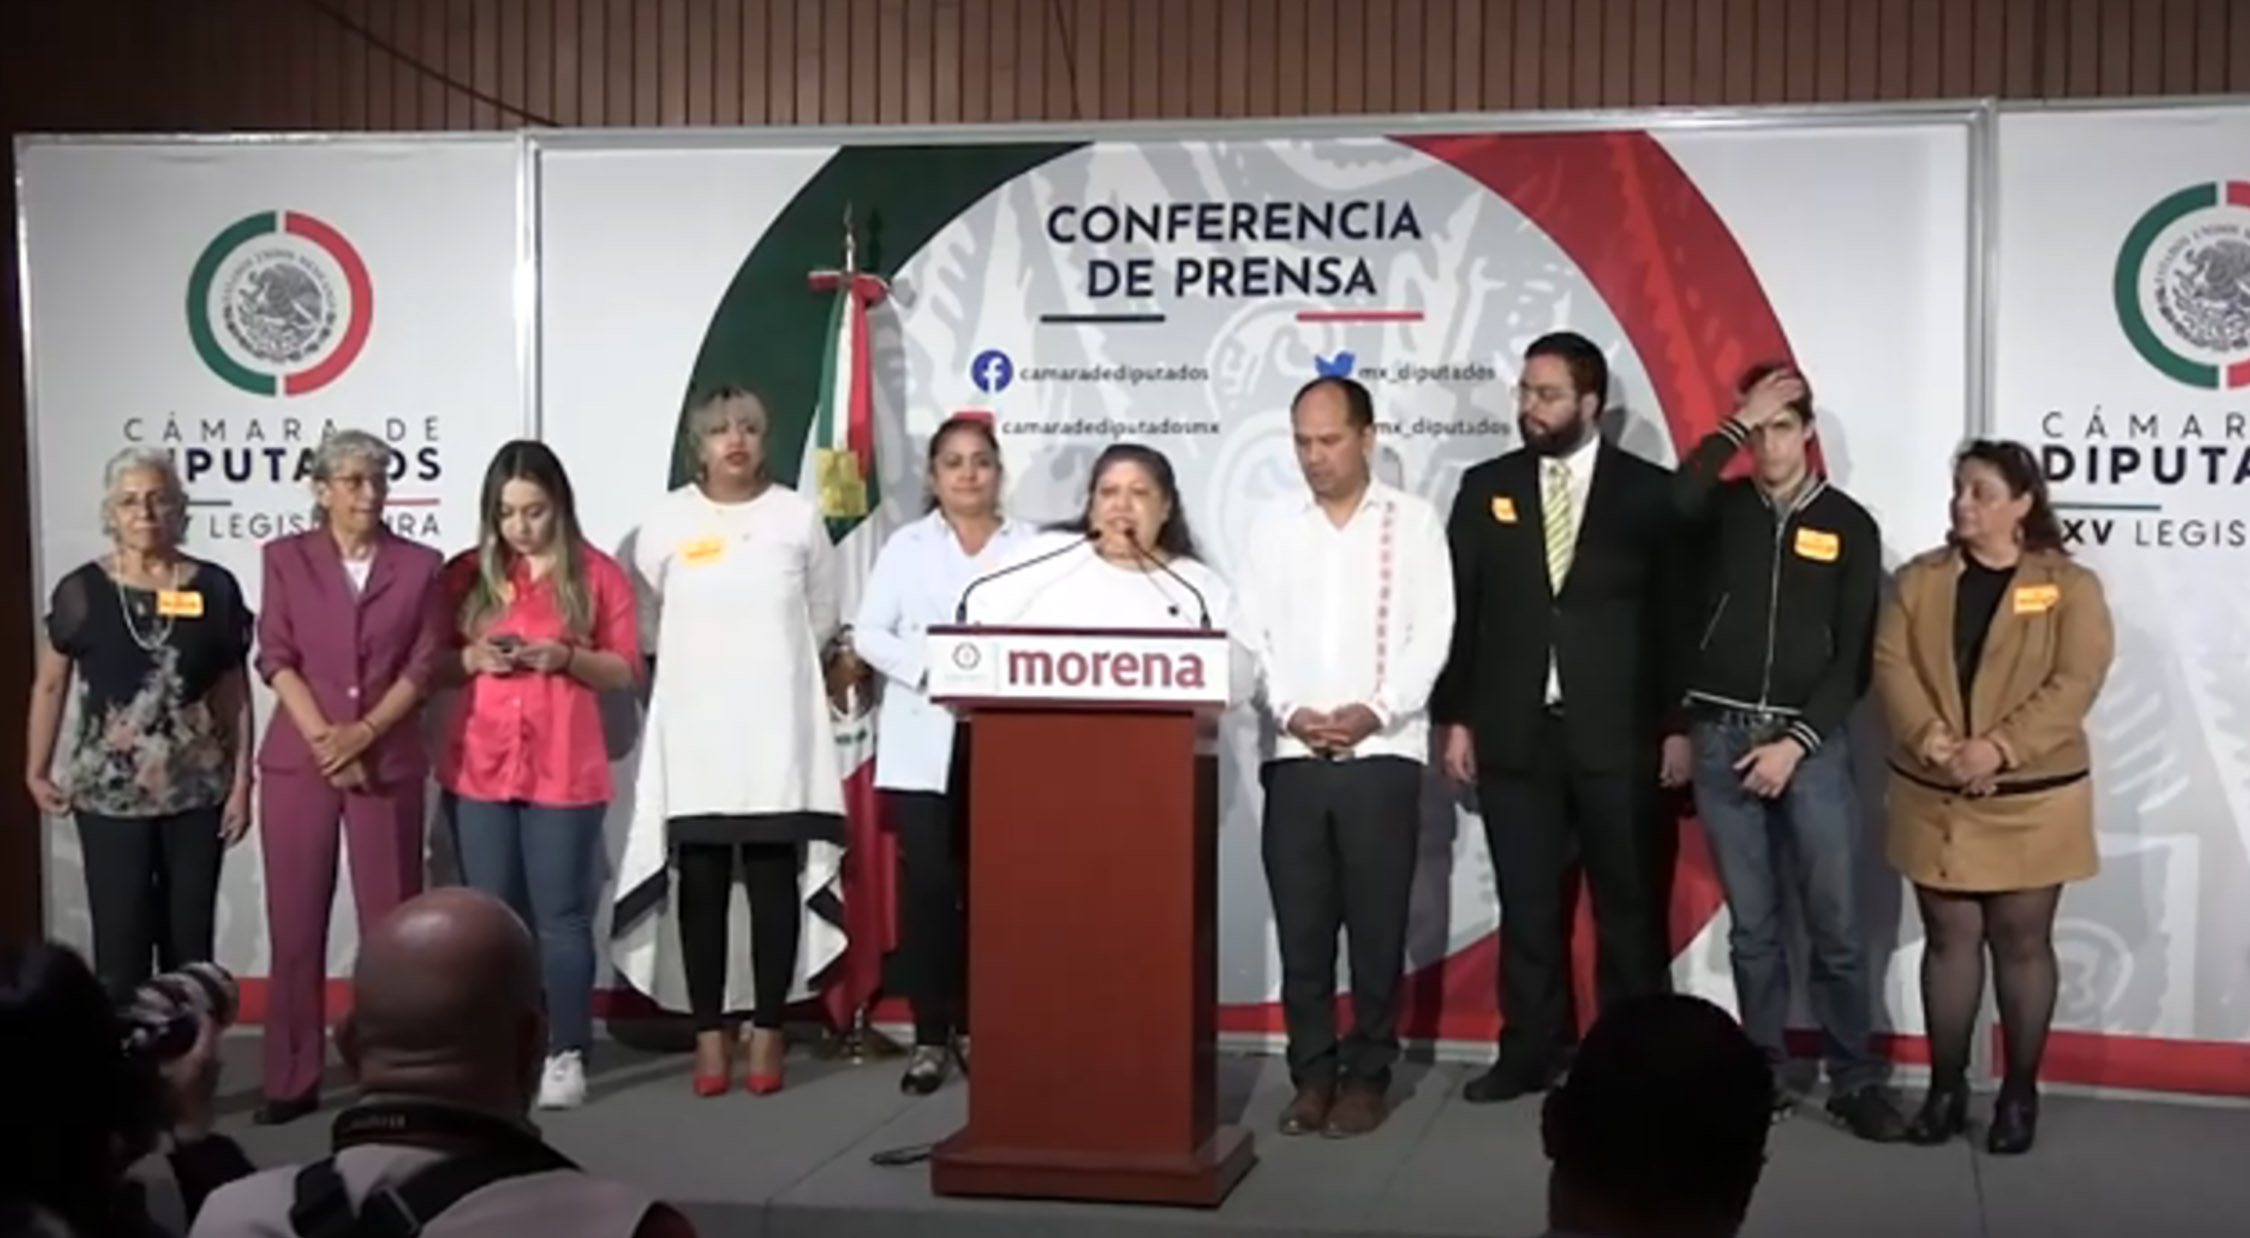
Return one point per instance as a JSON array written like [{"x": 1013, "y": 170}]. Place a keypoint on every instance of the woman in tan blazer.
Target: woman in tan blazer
[{"x": 1987, "y": 661}]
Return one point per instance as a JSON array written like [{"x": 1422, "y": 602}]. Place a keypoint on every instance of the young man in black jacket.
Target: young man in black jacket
[{"x": 1791, "y": 574}]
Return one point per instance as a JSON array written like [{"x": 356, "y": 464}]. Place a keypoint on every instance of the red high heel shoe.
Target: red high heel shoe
[
  {"x": 713, "y": 1084},
  {"x": 758, "y": 1082}
]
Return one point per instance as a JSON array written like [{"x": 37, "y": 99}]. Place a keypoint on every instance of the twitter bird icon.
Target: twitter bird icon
[{"x": 1338, "y": 366}]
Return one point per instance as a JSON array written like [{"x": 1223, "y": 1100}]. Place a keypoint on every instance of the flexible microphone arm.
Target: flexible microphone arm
[
  {"x": 1202, "y": 606},
  {"x": 961, "y": 608}
]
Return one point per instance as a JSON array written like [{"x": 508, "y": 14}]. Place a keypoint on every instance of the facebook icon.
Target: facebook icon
[{"x": 992, "y": 371}]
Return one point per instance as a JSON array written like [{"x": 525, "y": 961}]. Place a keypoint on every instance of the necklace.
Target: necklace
[{"x": 157, "y": 637}]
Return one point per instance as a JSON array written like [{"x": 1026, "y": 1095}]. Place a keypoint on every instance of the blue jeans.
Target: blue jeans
[
  {"x": 540, "y": 860},
  {"x": 1815, "y": 821}
]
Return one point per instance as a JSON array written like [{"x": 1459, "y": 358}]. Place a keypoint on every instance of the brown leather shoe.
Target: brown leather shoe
[
  {"x": 1309, "y": 1111},
  {"x": 1358, "y": 1110}
]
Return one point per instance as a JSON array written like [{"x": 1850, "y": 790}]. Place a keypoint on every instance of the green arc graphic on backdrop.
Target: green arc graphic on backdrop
[{"x": 767, "y": 333}]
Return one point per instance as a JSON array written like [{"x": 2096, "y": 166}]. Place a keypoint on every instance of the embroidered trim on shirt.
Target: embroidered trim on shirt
[{"x": 1383, "y": 573}]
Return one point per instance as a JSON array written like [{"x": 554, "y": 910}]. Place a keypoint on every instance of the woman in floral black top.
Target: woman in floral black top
[{"x": 157, "y": 771}]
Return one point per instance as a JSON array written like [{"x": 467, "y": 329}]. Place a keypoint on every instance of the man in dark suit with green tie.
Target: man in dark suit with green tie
[{"x": 1560, "y": 700}]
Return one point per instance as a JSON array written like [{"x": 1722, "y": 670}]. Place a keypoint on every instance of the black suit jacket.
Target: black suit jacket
[{"x": 1617, "y": 630}]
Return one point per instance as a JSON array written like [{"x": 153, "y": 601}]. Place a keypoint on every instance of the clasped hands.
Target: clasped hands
[
  {"x": 339, "y": 748},
  {"x": 1973, "y": 763},
  {"x": 1333, "y": 732}
]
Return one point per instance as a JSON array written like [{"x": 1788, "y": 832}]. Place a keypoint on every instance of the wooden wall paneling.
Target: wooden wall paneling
[
  {"x": 945, "y": 62},
  {"x": 1378, "y": 51},
  {"x": 1734, "y": 44},
  {"x": 1679, "y": 52},
  {"x": 731, "y": 67},
  {"x": 804, "y": 105},
  {"x": 1526, "y": 28},
  {"x": 1589, "y": 87},
  {"x": 1991, "y": 50},
  {"x": 2115, "y": 53},
  {"x": 1619, "y": 43},
  {"x": 2180, "y": 36},
  {"x": 1706, "y": 77},
  {"x": 2145, "y": 20},
  {"x": 2238, "y": 48},
  {"x": 2211, "y": 46},
  {"x": 691, "y": 35},
  {"x": 1108, "y": 45},
  {"x": 1558, "y": 75},
  {"x": 1467, "y": 45},
  {"x": 1800, "y": 52},
  {"x": 769, "y": 61},
  {"x": 1772, "y": 49},
  {"x": 1957, "y": 48},
  {"x": 976, "y": 34}
]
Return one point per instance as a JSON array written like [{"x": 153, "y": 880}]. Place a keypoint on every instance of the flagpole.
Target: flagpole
[{"x": 859, "y": 1042}]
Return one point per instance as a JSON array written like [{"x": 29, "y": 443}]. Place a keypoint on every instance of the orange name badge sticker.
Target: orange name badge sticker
[
  {"x": 701, "y": 551},
  {"x": 179, "y": 604},
  {"x": 2036, "y": 599},
  {"x": 1503, "y": 509},
  {"x": 1818, "y": 545}
]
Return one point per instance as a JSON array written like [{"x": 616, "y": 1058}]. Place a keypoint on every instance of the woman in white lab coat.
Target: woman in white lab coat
[{"x": 921, "y": 761}]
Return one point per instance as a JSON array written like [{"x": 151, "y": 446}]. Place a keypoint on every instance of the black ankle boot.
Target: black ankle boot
[
  {"x": 1945, "y": 1113},
  {"x": 2015, "y": 1121}
]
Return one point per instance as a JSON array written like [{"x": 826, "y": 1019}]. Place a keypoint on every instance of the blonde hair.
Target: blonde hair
[{"x": 713, "y": 410}]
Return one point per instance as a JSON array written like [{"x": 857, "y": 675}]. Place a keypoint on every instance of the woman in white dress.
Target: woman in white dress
[
  {"x": 921, "y": 761},
  {"x": 740, "y": 598},
  {"x": 1127, "y": 561}
]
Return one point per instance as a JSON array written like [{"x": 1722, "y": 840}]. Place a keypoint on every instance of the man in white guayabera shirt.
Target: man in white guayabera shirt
[{"x": 1347, "y": 605}]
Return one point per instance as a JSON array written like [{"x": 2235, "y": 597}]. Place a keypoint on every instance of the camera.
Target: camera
[{"x": 166, "y": 1013}]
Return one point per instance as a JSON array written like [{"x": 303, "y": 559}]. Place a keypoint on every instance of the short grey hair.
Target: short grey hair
[
  {"x": 713, "y": 410},
  {"x": 342, "y": 447},
  {"x": 144, "y": 460}
]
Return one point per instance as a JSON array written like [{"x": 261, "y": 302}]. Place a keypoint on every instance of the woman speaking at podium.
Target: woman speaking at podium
[{"x": 1127, "y": 561}]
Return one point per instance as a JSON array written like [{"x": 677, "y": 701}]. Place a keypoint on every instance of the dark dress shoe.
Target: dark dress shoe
[
  {"x": 1309, "y": 1111},
  {"x": 1945, "y": 1113},
  {"x": 1506, "y": 1082},
  {"x": 283, "y": 1112},
  {"x": 925, "y": 1070},
  {"x": 2015, "y": 1123},
  {"x": 1869, "y": 1114},
  {"x": 1359, "y": 1108}
]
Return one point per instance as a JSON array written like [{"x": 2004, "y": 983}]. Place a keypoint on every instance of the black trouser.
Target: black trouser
[
  {"x": 1340, "y": 840},
  {"x": 152, "y": 885},
  {"x": 706, "y": 877},
  {"x": 933, "y": 844},
  {"x": 1543, "y": 822}
]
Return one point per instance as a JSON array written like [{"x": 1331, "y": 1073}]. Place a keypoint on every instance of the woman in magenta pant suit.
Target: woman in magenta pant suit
[{"x": 349, "y": 632}]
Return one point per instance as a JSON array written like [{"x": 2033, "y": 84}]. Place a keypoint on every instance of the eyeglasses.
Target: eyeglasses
[{"x": 156, "y": 504}]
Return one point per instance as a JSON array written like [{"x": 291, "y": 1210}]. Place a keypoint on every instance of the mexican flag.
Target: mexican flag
[{"x": 840, "y": 465}]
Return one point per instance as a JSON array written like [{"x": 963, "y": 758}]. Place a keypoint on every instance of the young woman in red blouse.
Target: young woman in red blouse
[{"x": 545, "y": 624}]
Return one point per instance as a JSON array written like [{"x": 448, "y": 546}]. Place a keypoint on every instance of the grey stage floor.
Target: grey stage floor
[{"x": 795, "y": 1165}]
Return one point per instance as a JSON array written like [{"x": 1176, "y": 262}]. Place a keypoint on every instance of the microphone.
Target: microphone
[
  {"x": 961, "y": 608},
  {"x": 1204, "y": 619}
]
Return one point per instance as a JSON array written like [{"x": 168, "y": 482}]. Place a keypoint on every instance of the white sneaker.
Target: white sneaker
[{"x": 564, "y": 1084}]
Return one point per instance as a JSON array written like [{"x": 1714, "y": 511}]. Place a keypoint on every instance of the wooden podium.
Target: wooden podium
[{"x": 1093, "y": 890}]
